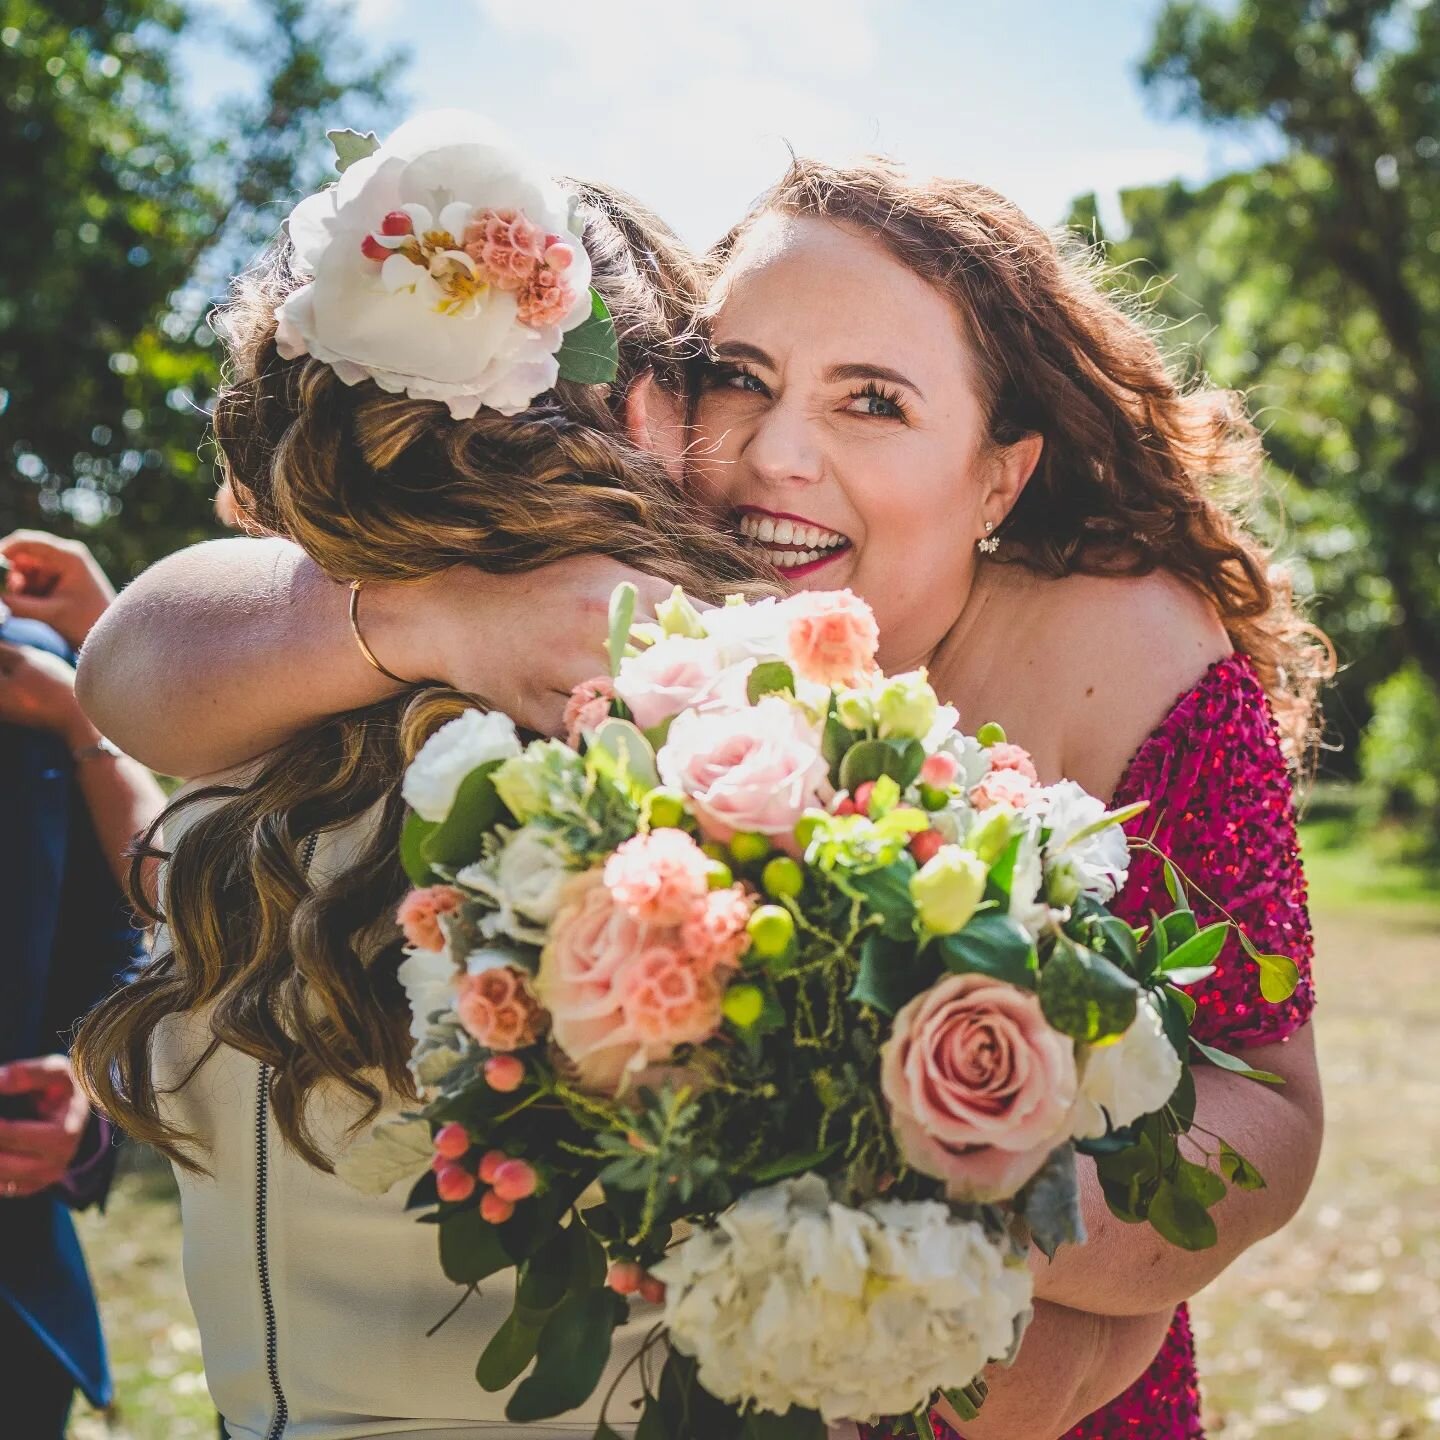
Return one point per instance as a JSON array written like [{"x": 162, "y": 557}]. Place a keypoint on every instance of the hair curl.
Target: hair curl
[
  {"x": 300, "y": 973},
  {"x": 1138, "y": 473}
]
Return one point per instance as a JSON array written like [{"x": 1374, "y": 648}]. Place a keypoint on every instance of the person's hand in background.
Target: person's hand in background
[
  {"x": 38, "y": 1150},
  {"x": 37, "y": 691},
  {"x": 57, "y": 581}
]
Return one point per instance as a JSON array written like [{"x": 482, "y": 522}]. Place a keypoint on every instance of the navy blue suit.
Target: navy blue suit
[{"x": 66, "y": 940}]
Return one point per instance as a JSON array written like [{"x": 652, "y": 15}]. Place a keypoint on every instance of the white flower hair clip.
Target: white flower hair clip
[{"x": 446, "y": 266}]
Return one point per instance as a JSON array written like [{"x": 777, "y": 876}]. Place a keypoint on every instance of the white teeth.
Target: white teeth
[
  {"x": 784, "y": 531},
  {"x": 766, "y": 530},
  {"x": 812, "y": 537},
  {"x": 810, "y": 540}
]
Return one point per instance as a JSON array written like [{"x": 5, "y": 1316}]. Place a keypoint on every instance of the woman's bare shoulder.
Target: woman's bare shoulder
[{"x": 1120, "y": 650}]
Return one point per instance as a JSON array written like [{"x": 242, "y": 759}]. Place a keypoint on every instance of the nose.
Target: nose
[{"x": 783, "y": 449}]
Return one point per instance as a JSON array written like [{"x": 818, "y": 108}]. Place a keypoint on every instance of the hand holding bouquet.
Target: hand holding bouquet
[{"x": 776, "y": 998}]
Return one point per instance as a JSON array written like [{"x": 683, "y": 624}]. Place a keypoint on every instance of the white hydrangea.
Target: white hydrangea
[
  {"x": 1095, "y": 865},
  {"x": 792, "y": 1299},
  {"x": 450, "y": 754},
  {"x": 1129, "y": 1077}
]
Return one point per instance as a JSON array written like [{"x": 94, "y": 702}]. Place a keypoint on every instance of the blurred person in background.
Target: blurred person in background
[{"x": 71, "y": 805}]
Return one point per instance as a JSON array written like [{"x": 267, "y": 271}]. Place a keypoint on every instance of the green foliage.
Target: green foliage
[
  {"x": 124, "y": 212},
  {"x": 1400, "y": 754}
]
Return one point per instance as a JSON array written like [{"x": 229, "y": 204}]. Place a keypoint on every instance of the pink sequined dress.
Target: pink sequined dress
[{"x": 1221, "y": 807}]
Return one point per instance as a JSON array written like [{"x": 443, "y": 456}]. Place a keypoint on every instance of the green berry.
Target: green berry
[
  {"x": 771, "y": 931},
  {"x": 932, "y": 798},
  {"x": 783, "y": 878},
  {"x": 719, "y": 876},
  {"x": 991, "y": 734},
  {"x": 747, "y": 847},
  {"x": 805, "y": 828},
  {"x": 664, "y": 809},
  {"x": 743, "y": 1005}
]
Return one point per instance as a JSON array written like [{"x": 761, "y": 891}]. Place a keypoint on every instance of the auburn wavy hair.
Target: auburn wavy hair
[
  {"x": 1138, "y": 472},
  {"x": 300, "y": 973}
]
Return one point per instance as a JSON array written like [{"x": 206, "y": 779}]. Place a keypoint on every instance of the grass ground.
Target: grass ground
[{"x": 1325, "y": 1332}]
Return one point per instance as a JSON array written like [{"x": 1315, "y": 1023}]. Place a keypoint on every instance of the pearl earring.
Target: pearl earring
[{"x": 991, "y": 543}]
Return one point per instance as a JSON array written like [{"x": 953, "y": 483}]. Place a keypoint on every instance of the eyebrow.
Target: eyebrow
[{"x": 740, "y": 350}]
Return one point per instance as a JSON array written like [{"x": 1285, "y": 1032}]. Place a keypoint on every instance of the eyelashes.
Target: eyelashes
[{"x": 885, "y": 402}]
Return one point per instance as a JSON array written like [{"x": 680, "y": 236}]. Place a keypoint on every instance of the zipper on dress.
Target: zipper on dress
[{"x": 281, "y": 1414}]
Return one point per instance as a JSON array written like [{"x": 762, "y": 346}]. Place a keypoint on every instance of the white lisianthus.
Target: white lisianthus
[
  {"x": 792, "y": 1299},
  {"x": 428, "y": 977},
  {"x": 450, "y": 754},
  {"x": 1027, "y": 882},
  {"x": 1130, "y": 1077},
  {"x": 1096, "y": 864},
  {"x": 967, "y": 750},
  {"x": 756, "y": 630},
  {"x": 431, "y": 320},
  {"x": 523, "y": 882}
]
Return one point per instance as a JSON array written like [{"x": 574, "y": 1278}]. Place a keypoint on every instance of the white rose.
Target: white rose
[
  {"x": 1096, "y": 865},
  {"x": 450, "y": 754},
  {"x": 755, "y": 630},
  {"x": 1132, "y": 1076},
  {"x": 792, "y": 1299}
]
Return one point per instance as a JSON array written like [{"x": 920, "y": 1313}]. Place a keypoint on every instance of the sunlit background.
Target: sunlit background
[{"x": 1268, "y": 171}]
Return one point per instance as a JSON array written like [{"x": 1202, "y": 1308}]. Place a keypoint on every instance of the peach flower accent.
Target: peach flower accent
[
  {"x": 1006, "y": 756},
  {"x": 419, "y": 915},
  {"x": 507, "y": 246},
  {"x": 670, "y": 999},
  {"x": 545, "y": 300},
  {"x": 587, "y": 707},
  {"x": 833, "y": 637},
  {"x": 1004, "y": 787},
  {"x": 980, "y": 1088},
  {"x": 714, "y": 932},
  {"x": 496, "y": 1008},
  {"x": 659, "y": 878}
]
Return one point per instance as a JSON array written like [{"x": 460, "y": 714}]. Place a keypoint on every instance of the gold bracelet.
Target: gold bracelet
[{"x": 365, "y": 650}]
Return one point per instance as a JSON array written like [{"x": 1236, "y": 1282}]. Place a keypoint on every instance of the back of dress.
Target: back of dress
[{"x": 314, "y": 1300}]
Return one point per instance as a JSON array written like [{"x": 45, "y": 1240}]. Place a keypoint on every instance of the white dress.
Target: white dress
[{"x": 313, "y": 1300}]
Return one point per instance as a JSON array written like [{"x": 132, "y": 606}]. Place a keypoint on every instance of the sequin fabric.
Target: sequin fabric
[{"x": 1221, "y": 807}]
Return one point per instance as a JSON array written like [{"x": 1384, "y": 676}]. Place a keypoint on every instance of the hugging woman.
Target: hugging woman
[{"x": 907, "y": 389}]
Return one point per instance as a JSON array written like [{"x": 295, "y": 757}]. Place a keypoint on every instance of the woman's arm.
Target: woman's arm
[
  {"x": 1070, "y": 1364},
  {"x": 1129, "y": 1269},
  {"x": 220, "y": 652}
]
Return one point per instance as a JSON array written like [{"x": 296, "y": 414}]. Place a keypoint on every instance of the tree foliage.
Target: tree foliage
[{"x": 124, "y": 212}]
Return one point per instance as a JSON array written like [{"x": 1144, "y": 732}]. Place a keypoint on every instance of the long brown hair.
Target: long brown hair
[
  {"x": 300, "y": 971},
  {"x": 1138, "y": 472}
]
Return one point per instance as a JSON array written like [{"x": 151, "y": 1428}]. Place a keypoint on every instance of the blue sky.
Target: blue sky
[{"x": 689, "y": 103}]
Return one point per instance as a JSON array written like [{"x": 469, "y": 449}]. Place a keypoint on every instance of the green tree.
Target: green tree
[
  {"x": 1313, "y": 283},
  {"x": 124, "y": 212}
]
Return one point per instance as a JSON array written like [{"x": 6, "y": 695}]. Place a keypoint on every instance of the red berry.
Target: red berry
[
  {"x": 490, "y": 1162},
  {"x": 652, "y": 1290},
  {"x": 494, "y": 1209},
  {"x": 397, "y": 222},
  {"x": 845, "y": 806},
  {"x": 625, "y": 1277},
  {"x": 925, "y": 845},
  {"x": 454, "y": 1183},
  {"x": 515, "y": 1180},
  {"x": 452, "y": 1140},
  {"x": 863, "y": 791},
  {"x": 504, "y": 1073},
  {"x": 372, "y": 249}
]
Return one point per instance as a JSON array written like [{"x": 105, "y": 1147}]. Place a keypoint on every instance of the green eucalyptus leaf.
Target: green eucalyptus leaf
[
  {"x": 1086, "y": 996},
  {"x": 1279, "y": 974},
  {"x": 870, "y": 759},
  {"x": 412, "y": 852},
  {"x": 1181, "y": 1219},
  {"x": 887, "y": 892},
  {"x": 351, "y": 145},
  {"x": 470, "y": 1248},
  {"x": 459, "y": 838},
  {"x": 992, "y": 944},
  {"x": 621, "y": 617},
  {"x": 892, "y": 973},
  {"x": 1234, "y": 1065},
  {"x": 1198, "y": 952},
  {"x": 511, "y": 1349},
  {"x": 1238, "y": 1170},
  {"x": 625, "y": 742},
  {"x": 590, "y": 353},
  {"x": 771, "y": 677},
  {"x": 570, "y": 1356},
  {"x": 1176, "y": 887},
  {"x": 1200, "y": 1183}
]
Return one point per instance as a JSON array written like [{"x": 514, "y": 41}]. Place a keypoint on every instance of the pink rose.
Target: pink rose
[
  {"x": 758, "y": 768},
  {"x": 669, "y": 677},
  {"x": 1004, "y": 787},
  {"x": 659, "y": 878},
  {"x": 1005, "y": 756},
  {"x": 715, "y": 932},
  {"x": 497, "y": 1008},
  {"x": 979, "y": 1087},
  {"x": 587, "y": 708},
  {"x": 419, "y": 915},
  {"x": 590, "y": 941},
  {"x": 670, "y": 999},
  {"x": 833, "y": 637}
]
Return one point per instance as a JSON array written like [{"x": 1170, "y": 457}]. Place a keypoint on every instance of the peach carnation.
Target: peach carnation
[
  {"x": 658, "y": 878},
  {"x": 498, "y": 1010},
  {"x": 419, "y": 915},
  {"x": 1004, "y": 787},
  {"x": 833, "y": 637},
  {"x": 587, "y": 707},
  {"x": 1006, "y": 756},
  {"x": 669, "y": 999},
  {"x": 545, "y": 300},
  {"x": 714, "y": 931},
  {"x": 507, "y": 246}
]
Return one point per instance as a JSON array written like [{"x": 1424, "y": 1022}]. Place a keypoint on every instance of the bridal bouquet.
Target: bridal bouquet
[{"x": 775, "y": 999}]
